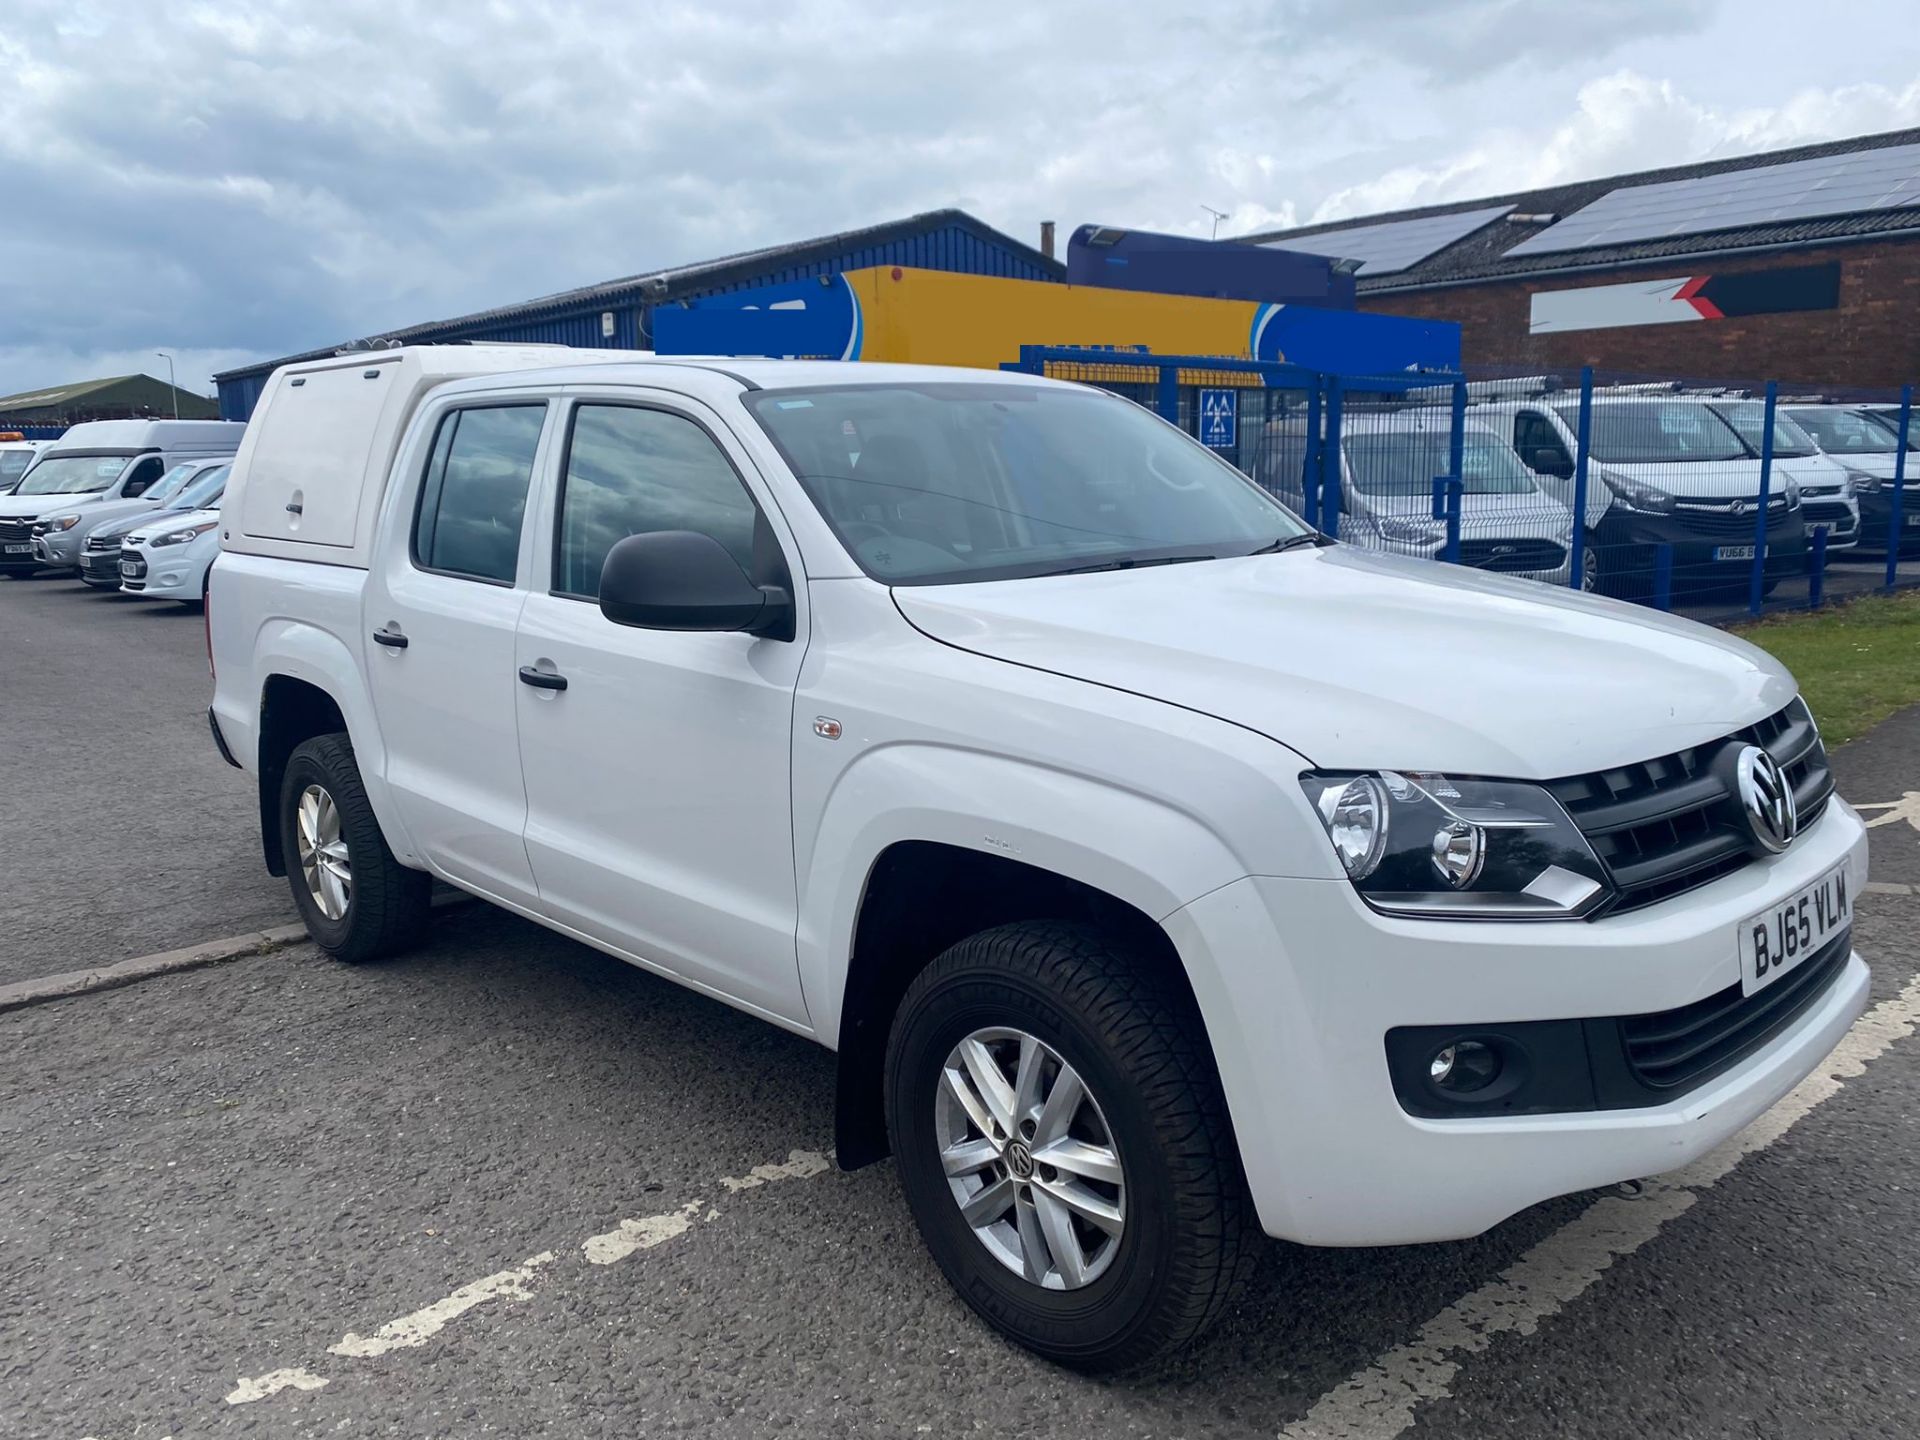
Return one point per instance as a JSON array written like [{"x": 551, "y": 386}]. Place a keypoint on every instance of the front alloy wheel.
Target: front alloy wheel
[
  {"x": 1063, "y": 1142},
  {"x": 324, "y": 862},
  {"x": 1030, "y": 1159}
]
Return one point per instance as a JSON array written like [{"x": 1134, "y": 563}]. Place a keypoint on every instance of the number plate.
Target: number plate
[
  {"x": 1910, "y": 519},
  {"x": 17, "y": 550},
  {"x": 1777, "y": 939},
  {"x": 1733, "y": 552},
  {"x": 132, "y": 569}
]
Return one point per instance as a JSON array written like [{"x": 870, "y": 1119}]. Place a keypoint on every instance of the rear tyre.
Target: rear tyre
[
  {"x": 1064, "y": 1145},
  {"x": 358, "y": 902}
]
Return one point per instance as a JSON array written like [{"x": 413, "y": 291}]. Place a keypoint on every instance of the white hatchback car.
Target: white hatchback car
[{"x": 171, "y": 559}]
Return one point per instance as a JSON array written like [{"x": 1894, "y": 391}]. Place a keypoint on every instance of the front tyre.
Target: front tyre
[
  {"x": 1064, "y": 1146},
  {"x": 358, "y": 902}
]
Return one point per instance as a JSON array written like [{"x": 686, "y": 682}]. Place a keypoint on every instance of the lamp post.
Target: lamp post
[{"x": 170, "y": 385}]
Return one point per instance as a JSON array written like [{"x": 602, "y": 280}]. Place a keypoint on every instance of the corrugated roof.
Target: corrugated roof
[
  {"x": 683, "y": 281},
  {"x": 57, "y": 395},
  {"x": 1482, "y": 255}
]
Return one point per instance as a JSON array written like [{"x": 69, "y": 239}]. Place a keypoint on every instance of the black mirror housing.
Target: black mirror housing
[
  {"x": 683, "y": 580},
  {"x": 1551, "y": 460}
]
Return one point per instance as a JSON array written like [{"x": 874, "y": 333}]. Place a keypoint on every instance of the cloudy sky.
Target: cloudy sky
[{"x": 237, "y": 181}]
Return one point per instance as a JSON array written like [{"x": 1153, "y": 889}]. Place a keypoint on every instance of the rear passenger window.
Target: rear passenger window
[
  {"x": 635, "y": 472},
  {"x": 475, "y": 495}
]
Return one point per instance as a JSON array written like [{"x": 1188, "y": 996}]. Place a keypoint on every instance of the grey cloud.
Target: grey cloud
[{"x": 259, "y": 179}]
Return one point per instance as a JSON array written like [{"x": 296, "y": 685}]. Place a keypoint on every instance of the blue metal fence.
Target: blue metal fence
[{"x": 1705, "y": 495}]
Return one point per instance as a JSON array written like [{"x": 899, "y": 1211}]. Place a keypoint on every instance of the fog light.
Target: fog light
[{"x": 1464, "y": 1066}]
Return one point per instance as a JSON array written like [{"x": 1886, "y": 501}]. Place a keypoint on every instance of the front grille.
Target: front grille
[
  {"x": 132, "y": 567},
  {"x": 1716, "y": 520},
  {"x": 13, "y": 532},
  {"x": 98, "y": 544},
  {"x": 1682, "y": 1048},
  {"x": 1666, "y": 826},
  {"x": 1511, "y": 555},
  {"x": 1832, "y": 513}
]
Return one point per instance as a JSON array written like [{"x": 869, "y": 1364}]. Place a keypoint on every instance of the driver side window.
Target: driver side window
[{"x": 146, "y": 470}]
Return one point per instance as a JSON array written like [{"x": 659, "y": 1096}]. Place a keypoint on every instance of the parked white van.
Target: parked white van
[
  {"x": 83, "y": 478},
  {"x": 1388, "y": 462},
  {"x": 1161, "y": 870}
]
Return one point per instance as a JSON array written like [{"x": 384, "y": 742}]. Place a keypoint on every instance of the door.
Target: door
[
  {"x": 441, "y": 607},
  {"x": 658, "y": 791}
]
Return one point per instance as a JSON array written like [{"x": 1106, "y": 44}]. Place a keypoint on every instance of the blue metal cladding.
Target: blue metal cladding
[{"x": 944, "y": 247}]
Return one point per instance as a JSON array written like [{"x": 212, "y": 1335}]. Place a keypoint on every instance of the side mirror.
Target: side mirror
[
  {"x": 1550, "y": 460},
  {"x": 683, "y": 580}
]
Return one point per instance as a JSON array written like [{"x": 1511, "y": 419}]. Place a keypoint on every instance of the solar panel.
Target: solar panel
[
  {"x": 1886, "y": 179},
  {"x": 1393, "y": 244}
]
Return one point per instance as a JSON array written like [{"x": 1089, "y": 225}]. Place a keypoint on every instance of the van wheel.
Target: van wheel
[
  {"x": 1064, "y": 1145},
  {"x": 358, "y": 902}
]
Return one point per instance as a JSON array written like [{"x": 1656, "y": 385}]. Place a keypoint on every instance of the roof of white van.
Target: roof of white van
[{"x": 148, "y": 434}]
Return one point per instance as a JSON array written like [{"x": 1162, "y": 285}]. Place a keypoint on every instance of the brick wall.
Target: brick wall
[{"x": 1873, "y": 338}]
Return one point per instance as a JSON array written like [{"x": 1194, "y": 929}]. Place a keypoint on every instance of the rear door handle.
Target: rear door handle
[
  {"x": 392, "y": 639},
  {"x": 542, "y": 679}
]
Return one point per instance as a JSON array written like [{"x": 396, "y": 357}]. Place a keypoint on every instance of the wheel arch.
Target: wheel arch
[
  {"x": 920, "y": 898},
  {"x": 311, "y": 686}
]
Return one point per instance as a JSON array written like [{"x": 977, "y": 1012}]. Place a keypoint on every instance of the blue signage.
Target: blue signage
[{"x": 1219, "y": 418}]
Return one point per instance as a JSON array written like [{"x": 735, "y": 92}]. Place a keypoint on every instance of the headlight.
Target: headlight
[
  {"x": 1861, "y": 483},
  {"x": 181, "y": 537},
  {"x": 1408, "y": 532},
  {"x": 1637, "y": 496},
  {"x": 1422, "y": 844},
  {"x": 57, "y": 523}
]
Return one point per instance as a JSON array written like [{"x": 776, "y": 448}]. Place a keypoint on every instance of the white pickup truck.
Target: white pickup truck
[{"x": 1161, "y": 872}]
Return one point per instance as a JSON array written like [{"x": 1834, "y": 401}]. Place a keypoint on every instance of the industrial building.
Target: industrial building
[
  {"x": 118, "y": 397},
  {"x": 1801, "y": 264},
  {"x": 619, "y": 313}
]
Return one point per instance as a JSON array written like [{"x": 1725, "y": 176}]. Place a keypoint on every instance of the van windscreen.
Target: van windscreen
[{"x": 74, "y": 474}]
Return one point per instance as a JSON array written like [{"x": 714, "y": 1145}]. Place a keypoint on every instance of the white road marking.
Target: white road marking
[
  {"x": 800, "y": 1164},
  {"x": 643, "y": 1234},
  {"x": 1888, "y": 887},
  {"x": 272, "y": 1383},
  {"x": 422, "y": 1325},
  {"x": 630, "y": 1236},
  {"x": 1379, "y": 1403},
  {"x": 1906, "y": 808}
]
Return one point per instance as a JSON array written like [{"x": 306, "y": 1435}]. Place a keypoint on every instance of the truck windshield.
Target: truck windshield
[
  {"x": 73, "y": 474},
  {"x": 1407, "y": 462},
  {"x": 944, "y": 483},
  {"x": 1749, "y": 420},
  {"x": 1651, "y": 432}
]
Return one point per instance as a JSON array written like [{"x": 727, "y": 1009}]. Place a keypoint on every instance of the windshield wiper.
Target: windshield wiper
[
  {"x": 1293, "y": 542},
  {"x": 1126, "y": 562}
]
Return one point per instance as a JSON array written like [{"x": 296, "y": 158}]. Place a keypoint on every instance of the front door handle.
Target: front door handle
[
  {"x": 392, "y": 639},
  {"x": 542, "y": 679}
]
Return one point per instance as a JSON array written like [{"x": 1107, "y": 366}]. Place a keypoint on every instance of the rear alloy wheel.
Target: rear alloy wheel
[
  {"x": 325, "y": 864},
  {"x": 1064, "y": 1145},
  {"x": 358, "y": 902}
]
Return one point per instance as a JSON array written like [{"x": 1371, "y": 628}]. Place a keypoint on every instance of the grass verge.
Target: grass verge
[{"x": 1857, "y": 663}]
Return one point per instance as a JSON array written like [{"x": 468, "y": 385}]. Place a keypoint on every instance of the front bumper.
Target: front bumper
[
  {"x": 60, "y": 551},
  {"x": 1628, "y": 541},
  {"x": 1299, "y": 984},
  {"x": 163, "y": 572},
  {"x": 101, "y": 568},
  {"x": 1876, "y": 514}
]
